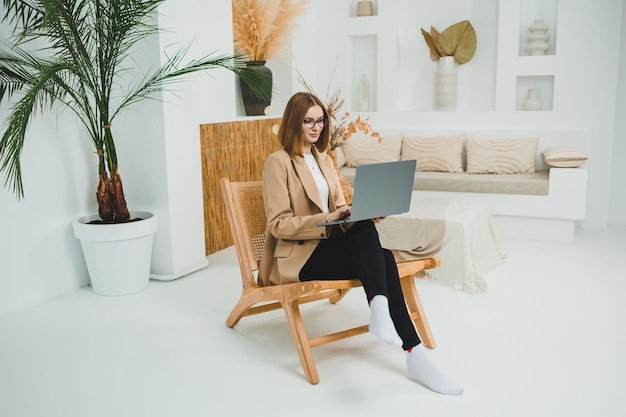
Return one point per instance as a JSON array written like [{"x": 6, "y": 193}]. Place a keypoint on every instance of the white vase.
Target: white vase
[
  {"x": 117, "y": 255},
  {"x": 538, "y": 38},
  {"x": 533, "y": 100},
  {"x": 364, "y": 94},
  {"x": 446, "y": 84}
]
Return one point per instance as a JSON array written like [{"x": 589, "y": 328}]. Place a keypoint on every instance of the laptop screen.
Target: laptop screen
[{"x": 380, "y": 190}]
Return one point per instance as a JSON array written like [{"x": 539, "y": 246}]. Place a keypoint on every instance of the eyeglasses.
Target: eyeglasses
[{"x": 309, "y": 123}]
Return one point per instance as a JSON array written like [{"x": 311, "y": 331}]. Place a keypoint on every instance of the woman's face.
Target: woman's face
[{"x": 315, "y": 117}]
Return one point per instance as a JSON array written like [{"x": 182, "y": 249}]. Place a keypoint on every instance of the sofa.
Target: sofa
[{"x": 534, "y": 182}]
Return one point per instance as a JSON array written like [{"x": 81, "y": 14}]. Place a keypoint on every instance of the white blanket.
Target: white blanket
[{"x": 460, "y": 232}]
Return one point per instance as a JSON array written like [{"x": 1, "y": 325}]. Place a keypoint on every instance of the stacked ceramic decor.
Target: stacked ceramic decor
[{"x": 538, "y": 38}]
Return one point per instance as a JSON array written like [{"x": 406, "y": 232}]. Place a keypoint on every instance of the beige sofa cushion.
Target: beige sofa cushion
[
  {"x": 564, "y": 157},
  {"x": 434, "y": 153},
  {"x": 361, "y": 149},
  {"x": 501, "y": 156}
]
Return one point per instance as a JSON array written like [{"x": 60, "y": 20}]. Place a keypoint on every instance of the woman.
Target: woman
[{"x": 300, "y": 191}]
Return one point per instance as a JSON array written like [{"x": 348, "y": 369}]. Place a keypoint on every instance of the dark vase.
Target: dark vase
[{"x": 255, "y": 105}]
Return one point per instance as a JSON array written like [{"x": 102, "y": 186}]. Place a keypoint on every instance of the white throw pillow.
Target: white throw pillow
[
  {"x": 361, "y": 149},
  {"x": 564, "y": 157},
  {"x": 501, "y": 156},
  {"x": 435, "y": 153}
]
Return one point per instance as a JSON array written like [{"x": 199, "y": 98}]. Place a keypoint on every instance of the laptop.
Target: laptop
[{"x": 380, "y": 190}]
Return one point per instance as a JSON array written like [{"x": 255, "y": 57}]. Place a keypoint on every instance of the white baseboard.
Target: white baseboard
[{"x": 181, "y": 273}]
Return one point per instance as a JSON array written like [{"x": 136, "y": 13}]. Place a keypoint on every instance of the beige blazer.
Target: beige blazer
[{"x": 293, "y": 207}]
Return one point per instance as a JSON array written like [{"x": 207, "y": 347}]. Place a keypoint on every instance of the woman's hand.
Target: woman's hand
[
  {"x": 339, "y": 214},
  {"x": 379, "y": 219}
]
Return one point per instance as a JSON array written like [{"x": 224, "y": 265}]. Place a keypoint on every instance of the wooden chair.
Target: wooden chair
[{"x": 246, "y": 216}]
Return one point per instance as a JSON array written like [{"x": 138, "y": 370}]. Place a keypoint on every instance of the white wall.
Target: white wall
[
  {"x": 589, "y": 100},
  {"x": 39, "y": 257},
  {"x": 617, "y": 201},
  {"x": 207, "y": 97}
]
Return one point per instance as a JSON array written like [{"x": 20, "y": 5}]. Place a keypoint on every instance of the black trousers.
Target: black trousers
[{"x": 357, "y": 254}]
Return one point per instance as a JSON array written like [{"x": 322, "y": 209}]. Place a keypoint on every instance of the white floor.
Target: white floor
[{"x": 547, "y": 339}]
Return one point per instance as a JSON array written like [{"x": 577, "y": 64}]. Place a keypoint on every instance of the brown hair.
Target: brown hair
[{"x": 290, "y": 133}]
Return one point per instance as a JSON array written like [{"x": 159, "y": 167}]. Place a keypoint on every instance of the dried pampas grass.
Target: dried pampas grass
[{"x": 260, "y": 27}]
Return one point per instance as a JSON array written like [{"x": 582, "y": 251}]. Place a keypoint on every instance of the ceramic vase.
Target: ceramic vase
[
  {"x": 364, "y": 94},
  {"x": 538, "y": 38},
  {"x": 446, "y": 84},
  {"x": 253, "y": 104},
  {"x": 364, "y": 8},
  {"x": 533, "y": 100}
]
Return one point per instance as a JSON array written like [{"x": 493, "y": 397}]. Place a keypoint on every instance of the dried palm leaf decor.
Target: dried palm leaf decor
[{"x": 458, "y": 40}]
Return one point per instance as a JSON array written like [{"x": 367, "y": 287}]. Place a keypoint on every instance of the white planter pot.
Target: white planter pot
[{"x": 118, "y": 255}]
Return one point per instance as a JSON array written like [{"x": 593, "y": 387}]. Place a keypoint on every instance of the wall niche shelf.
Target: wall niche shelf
[
  {"x": 531, "y": 65},
  {"x": 543, "y": 12},
  {"x": 354, "y": 8},
  {"x": 364, "y": 63},
  {"x": 543, "y": 83},
  {"x": 388, "y": 49}
]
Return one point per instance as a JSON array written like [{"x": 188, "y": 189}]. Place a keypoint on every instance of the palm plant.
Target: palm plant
[{"x": 84, "y": 66}]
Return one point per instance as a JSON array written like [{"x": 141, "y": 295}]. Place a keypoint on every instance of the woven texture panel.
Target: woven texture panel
[{"x": 251, "y": 199}]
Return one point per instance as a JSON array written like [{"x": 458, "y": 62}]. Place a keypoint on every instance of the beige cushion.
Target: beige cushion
[
  {"x": 435, "y": 153},
  {"x": 564, "y": 157},
  {"x": 361, "y": 149},
  {"x": 501, "y": 156}
]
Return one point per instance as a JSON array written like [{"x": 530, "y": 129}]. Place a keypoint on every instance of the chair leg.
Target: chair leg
[
  {"x": 300, "y": 340},
  {"x": 246, "y": 301},
  {"x": 415, "y": 309},
  {"x": 339, "y": 297}
]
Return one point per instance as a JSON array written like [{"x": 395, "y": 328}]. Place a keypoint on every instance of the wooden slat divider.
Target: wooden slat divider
[{"x": 236, "y": 150}]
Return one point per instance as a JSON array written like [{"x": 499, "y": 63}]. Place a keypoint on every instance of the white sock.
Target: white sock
[
  {"x": 424, "y": 371},
  {"x": 380, "y": 321}
]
